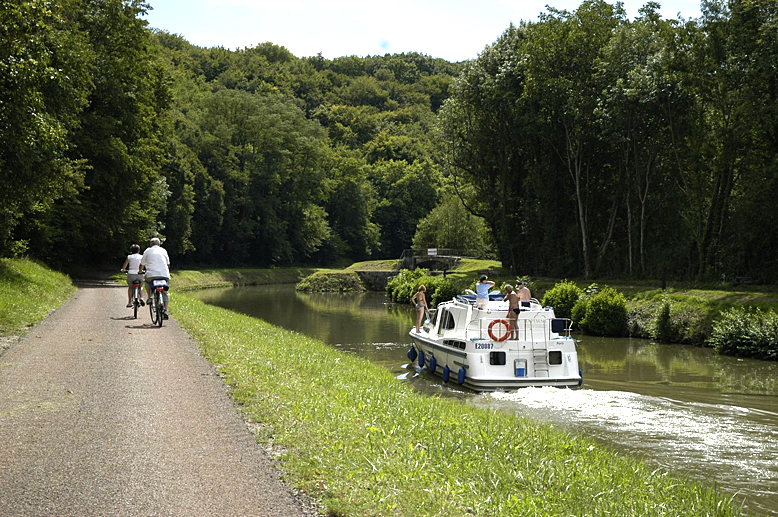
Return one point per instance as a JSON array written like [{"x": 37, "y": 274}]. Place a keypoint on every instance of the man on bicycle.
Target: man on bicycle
[{"x": 156, "y": 261}]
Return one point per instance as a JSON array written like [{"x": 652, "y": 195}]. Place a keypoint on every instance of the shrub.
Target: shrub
[
  {"x": 746, "y": 332},
  {"x": 606, "y": 314},
  {"x": 640, "y": 317},
  {"x": 690, "y": 322},
  {"x": 663, "y": 326},
  {"x": 670, "y": 320},
  {"x": 444, "y": 291},
  {"x": 578, "y": 313},
  {"x": 563, "y": 297},
  {"x": 331, "y": 281},
  {"x": 402, "y": 287}
]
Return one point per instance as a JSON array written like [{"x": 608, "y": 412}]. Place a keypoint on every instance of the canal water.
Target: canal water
[{"x": 682, "y": 408}]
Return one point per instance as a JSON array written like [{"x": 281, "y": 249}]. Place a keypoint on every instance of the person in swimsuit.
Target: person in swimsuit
[
  {"x": 513, "y": 309},
  {"x": 420, "y": 303}
]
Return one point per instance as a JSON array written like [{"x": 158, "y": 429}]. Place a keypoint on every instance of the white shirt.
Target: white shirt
[
  {"x": 133, "y": 262},
  {"x": 156, "y": 261}
]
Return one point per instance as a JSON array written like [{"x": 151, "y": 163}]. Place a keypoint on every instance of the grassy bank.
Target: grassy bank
[
  {"x": 28, "y": 293},
  {"x": 367, "y": 445},
  {"x": 184, "y": 280}
]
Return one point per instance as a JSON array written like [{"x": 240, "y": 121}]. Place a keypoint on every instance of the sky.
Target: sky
[{"x": 454, "y": 30}]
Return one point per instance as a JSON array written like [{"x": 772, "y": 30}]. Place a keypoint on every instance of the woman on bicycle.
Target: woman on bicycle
[{"x": 132, "y": 266}]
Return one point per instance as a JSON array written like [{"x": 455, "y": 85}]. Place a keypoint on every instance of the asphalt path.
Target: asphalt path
[{"x": 103, "y": 414}]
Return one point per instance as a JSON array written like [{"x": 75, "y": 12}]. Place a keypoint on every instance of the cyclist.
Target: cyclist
[
  {"x": 156, "y": 261},
  {"x": 132, "y": 267}
]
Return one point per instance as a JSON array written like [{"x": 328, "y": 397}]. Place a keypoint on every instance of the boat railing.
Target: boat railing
[{"x": 538, "y": 329}]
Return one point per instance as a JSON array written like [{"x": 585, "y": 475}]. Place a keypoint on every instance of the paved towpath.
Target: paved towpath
[{"x": 102, "y": 414}]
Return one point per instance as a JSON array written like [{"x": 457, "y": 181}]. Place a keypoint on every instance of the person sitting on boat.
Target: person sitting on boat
[
  {"x": 482, "y": 292},
  {"x": 513, "y": 309},
  {"x": 420, "y": 302},
  {"x": 524, "y": 294}
]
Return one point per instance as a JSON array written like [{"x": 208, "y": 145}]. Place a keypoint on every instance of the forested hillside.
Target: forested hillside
[{"x": 582, "y": 144}]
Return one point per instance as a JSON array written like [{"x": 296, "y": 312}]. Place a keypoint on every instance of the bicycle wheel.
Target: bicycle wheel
[
  {"x": 159, "y": 306},
  {"x": 153, "y": 310},
  {"x": 135, "y": 303}
]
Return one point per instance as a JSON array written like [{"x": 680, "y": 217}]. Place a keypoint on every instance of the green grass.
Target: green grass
[
  {"x": 365, "y": 444},
  {"x": 184, "y": 280},
  {"x": 374, "y": 265},
  {"x": 28, "y": 293}
]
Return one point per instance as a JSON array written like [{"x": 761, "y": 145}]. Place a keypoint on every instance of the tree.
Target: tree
[
  {"x": 489, "y": 136},
  {"x": 642, "y": 93},
  {"x": 44, "y": 83},
  {"x": 563, "y": 56},
  {"x": 406, "y": 193},
  {"x": 118, "y": 136},
  {"x": 450, "y": 225}
]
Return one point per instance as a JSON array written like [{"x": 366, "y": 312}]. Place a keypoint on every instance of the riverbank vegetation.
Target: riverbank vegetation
[
  {"x": 686, "y": 316},
  {"x": 635, "y": 149},
  {"x": 189, "y": 279},
  {"x": 350, "y": 434},
  {"x": 29, "y": 291},
  {"x": 332, "y": 281}
]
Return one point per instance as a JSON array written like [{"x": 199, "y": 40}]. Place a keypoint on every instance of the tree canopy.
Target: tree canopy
[{"x": 584, "y": 143}]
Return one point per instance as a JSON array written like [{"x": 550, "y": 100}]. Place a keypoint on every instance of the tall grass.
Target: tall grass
[
  {"x": 366, "y": 444},
  {"x": 29, "y": 291}
]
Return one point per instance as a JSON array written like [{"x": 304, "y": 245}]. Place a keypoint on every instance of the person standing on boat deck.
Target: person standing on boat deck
[
  {"x": 482, "y": 291},
  {"x": 420, "y": 302},
  {"x": 524, "y": 293},
  {"x": 513, "y": 309}
]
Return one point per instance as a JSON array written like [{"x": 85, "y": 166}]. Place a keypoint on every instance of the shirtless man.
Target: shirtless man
[{"x": 523, "y": 292}]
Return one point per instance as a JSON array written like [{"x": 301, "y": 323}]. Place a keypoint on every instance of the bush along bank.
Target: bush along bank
[
  {"x": 747, "y": 332},
  {"x": 366, "y": 444},
  {"x": 401, "y": 288},
  {"x": 332, "y": 281},
  {"x": 603, "y": 311},
  {"x": 29, "y": 291}
]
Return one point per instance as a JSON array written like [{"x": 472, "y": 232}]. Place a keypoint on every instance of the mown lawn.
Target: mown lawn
[{"x": 365, "y": 444}]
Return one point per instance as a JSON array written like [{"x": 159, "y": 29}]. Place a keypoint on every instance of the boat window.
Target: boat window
[
  {"x": 449, "y": 321},
  {"x": 497, "y": 358},
  {"x": 558, "y": 325},
  {"x": 555, "y": 357}
]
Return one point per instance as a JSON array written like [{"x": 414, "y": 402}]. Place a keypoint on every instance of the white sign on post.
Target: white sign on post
[{"x": 432, "y": 252}]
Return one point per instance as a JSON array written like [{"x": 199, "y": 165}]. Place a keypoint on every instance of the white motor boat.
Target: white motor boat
[{"x": 482, "y": 349}]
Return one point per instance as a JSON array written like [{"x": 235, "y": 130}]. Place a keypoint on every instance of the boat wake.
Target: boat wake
[{"x": 737, "y": 447}]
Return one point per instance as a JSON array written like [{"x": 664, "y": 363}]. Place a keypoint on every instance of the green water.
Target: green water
[{"x": 683, "y": 408}]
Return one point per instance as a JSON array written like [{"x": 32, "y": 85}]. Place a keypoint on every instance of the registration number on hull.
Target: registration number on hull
[{"x": 484, "y": 346}]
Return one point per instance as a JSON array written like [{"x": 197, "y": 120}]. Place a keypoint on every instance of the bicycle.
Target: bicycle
[
  {"x": 137, "y": 299},
  {"x": 157, "y": 305}
]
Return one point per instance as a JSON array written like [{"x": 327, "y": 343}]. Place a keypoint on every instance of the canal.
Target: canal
[{"x": 682, "y": 408}]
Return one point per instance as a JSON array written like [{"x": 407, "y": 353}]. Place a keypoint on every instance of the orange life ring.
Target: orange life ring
[{"x": 507, "y": 330}]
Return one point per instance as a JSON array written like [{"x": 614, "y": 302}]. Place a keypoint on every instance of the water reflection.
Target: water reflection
[{"x": 683, "y": 408}]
